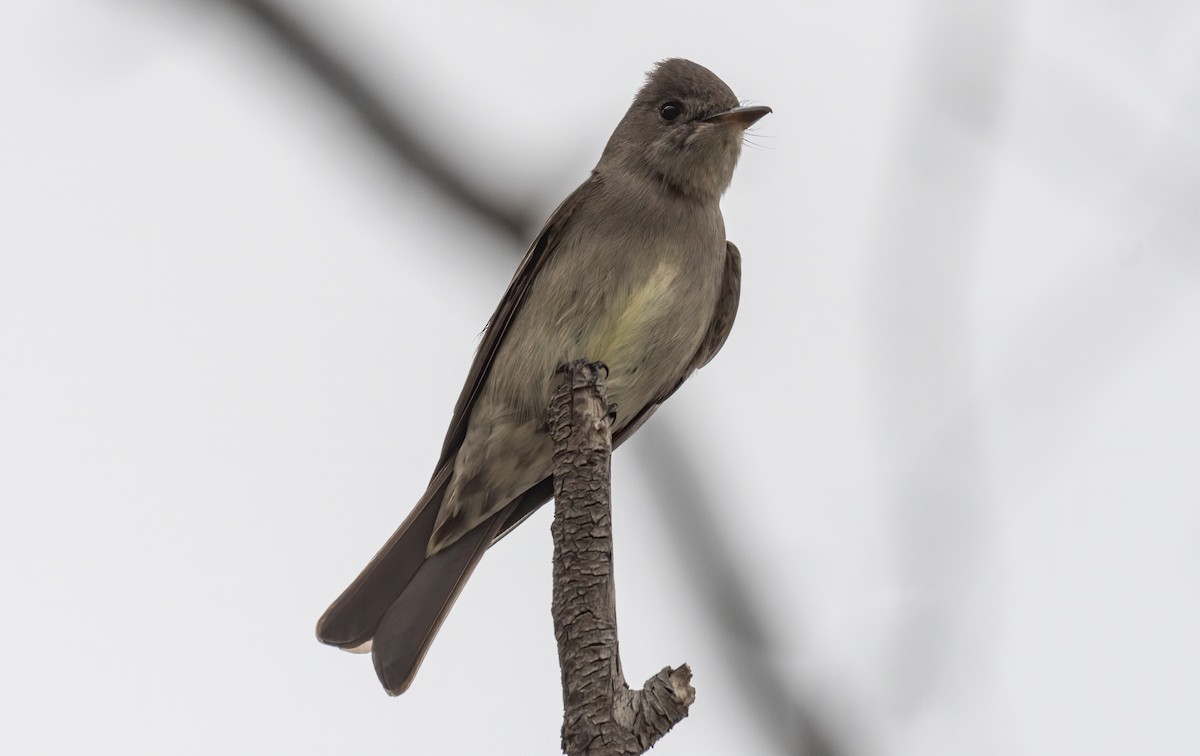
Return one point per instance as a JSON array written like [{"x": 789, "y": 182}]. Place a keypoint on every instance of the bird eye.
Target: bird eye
[{"x": 670, "y": 111}]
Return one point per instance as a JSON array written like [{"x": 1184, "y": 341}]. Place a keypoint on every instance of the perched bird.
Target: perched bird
[{"x": 632, "y": 270}]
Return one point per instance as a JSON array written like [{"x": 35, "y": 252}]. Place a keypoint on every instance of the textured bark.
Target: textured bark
[{"x": 601, "y": 714}]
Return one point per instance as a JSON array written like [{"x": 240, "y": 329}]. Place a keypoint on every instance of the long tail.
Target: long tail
[{"x": 400, "y": 599}]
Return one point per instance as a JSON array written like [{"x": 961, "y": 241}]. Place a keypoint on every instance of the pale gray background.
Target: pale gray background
[{"x": 953, "y": 439}]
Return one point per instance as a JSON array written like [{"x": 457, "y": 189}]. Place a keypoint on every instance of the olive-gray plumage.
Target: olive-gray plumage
[{"x": 632, "y": 270}]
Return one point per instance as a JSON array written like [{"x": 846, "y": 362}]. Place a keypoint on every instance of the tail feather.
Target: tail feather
[
  {"x": 407, "y": 629},
  {"x": 350, "y": 621},
  {"x": 398, "y": 602}
]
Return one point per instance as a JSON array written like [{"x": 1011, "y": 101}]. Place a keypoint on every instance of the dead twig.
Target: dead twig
[{"x": 601, "y": 714}]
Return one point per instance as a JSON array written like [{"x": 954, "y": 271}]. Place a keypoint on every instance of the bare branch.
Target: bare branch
[{"x": 601, "y": 714}]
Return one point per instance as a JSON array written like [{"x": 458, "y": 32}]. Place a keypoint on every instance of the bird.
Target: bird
[{"x": 632, "y": 270}]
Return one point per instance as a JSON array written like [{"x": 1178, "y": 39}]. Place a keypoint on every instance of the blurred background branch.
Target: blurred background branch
[
  {"x": 929, "y": 226},
  {"x": 386, "y": 123}
]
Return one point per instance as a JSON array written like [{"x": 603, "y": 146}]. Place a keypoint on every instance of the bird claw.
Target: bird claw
[{"x": 569, "y": 366}]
